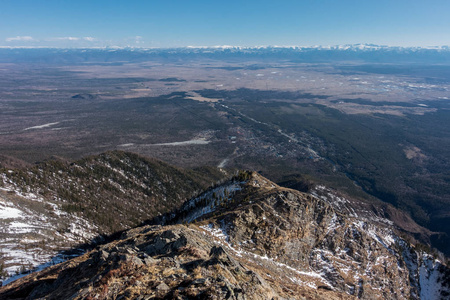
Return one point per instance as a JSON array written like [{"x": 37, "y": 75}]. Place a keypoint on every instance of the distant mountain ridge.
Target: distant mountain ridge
[
  {"x": 358, "y": 46},
  {"x": 362, "y": 52}
]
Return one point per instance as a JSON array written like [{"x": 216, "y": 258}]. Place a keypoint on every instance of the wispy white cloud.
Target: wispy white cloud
[
  {"x": 138, "y": 39},
  {"x": 89, "y": 39},
  {"x": 21, "y": 38},
  {"x": 64, "y": 38}
]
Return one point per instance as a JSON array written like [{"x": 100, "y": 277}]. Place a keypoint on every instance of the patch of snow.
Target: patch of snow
[
  {"x": 24, "y": 230},
  {"x": 190, "y": 142},
  {"x": 59, "y": 258},
  {"x": 333, "y": 225},
  {"x": 20, "y": 227},
  {"x": 41, "y": 126},
  {"x": 217, "y": 232},
  {"x": 222, "y": 163},
  {"x": 384, "y": 237},
  {"x": 7, "y": 212},
  {"x": 430, "y": 287},
  {"x": 206, "y": 203}
]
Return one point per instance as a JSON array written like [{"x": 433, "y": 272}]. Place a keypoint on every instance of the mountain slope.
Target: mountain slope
[
  {"x": 56, "y": 204},
  {"x": 251, "y": 240},
  {"x": 110, "y": 187}
]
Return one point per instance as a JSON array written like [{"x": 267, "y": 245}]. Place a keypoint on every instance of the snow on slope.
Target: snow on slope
[
  {"x": 34, "y": 231},
  {"x": 208, "y": 201},
  {"x": 355, "y": 250}
]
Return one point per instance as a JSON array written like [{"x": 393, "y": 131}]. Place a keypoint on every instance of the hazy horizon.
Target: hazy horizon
[
  {"x": 172, "y": 24},
  {"x": 325, "y": 47}
]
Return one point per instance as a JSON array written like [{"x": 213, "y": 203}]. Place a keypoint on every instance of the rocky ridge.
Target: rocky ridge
[
  {"x": 248, "y": 239},
  {"x": 56, "y": 204}
]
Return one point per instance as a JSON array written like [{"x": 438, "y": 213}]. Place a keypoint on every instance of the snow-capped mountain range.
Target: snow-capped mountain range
[{"x": 360, "y": 52}]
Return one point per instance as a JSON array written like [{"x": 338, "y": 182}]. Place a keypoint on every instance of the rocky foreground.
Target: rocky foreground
[{"x": 248, "y": 239}]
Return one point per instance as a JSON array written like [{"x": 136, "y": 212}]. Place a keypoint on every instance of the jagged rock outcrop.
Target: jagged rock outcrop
[{"x": 250, "y": 239}]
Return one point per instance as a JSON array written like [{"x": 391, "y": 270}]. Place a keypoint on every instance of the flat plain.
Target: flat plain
[{"x": 368, "y": 129}]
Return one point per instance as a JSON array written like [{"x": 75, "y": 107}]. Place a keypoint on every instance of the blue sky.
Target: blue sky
[{"x": 99, "y": 23}]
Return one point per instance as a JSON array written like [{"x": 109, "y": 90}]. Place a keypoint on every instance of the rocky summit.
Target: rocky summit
[{"x": 249, "y": 239}]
